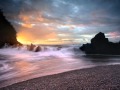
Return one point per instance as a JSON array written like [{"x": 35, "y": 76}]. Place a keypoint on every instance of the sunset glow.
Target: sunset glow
[
  {"x": 59, "y": 44},
  {"x": 64, "y": 21},
  {"x": 26, "y": 38}
]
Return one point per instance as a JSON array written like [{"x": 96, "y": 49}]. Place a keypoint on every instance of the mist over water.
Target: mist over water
[{"x": 19, "y": 64}]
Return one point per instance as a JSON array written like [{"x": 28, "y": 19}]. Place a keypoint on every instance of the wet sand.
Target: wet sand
[{"x": 96, "y": 78}]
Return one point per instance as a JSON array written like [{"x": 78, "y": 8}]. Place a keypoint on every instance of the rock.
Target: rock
[
  {"x": 88, "y": 48},
  {"x": 7, "y": 32},
  {"x": 99, "y": 39},
  {"x": 34, "y": 48},
  {"x": 101, "y": 45},
  {"x": 30, "y": 47},
  {"x": 38, "y": 48}
]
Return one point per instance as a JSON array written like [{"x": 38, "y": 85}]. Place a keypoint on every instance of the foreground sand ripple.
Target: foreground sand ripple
[{"x": 96, "y": 78}]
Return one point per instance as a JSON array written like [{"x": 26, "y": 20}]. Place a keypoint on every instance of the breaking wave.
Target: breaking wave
[{"x": 19, "y": 63}]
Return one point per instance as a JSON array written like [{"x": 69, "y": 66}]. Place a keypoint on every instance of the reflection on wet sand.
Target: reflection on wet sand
[
  {"x": 23, "y": 65},
  {"x": 23, "y": 70}
]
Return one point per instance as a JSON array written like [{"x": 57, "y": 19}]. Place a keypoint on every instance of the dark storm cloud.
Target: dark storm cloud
[
  {"x": 11, "y": 6},
  {"x": 78, "y": 18}
]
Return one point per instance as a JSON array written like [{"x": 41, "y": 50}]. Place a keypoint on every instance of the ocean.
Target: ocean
[{"x": 19, "y": 64}]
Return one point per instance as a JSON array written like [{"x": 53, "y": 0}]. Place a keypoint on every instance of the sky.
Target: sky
[{"x": 63, "y": 21}]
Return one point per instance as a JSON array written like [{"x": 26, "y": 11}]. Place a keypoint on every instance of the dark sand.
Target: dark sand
[{"x": 96, "y": 78}]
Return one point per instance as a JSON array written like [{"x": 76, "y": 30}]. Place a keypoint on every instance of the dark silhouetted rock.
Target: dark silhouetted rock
[
  {"x": 31, "y": 47},
  {"x": 101, "y": 45},
  {"x": 99, "y": 39},
  {"x": 38, "y": 48},
  {"x": 7, "y": 32}
]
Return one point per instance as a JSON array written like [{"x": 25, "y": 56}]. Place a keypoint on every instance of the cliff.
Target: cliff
[{"x": 7, "y": 32}]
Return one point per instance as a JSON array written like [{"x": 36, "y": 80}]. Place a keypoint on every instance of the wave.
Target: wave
[
  {"x": 24, "y": 53},
  {"x": 12, "y": 58},
  {"x": 18, "y": 62}
]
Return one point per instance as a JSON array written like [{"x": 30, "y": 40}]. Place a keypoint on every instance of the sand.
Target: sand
[{"x": 96, "y": 78}]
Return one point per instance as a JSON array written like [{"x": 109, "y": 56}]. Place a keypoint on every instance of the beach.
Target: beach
[{"x": 95, "y": 78}]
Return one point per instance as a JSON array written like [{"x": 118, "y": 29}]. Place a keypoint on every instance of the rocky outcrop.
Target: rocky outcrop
[
  {"x": 7, "y": 32},
  {"x": 34, "y": 48},
  {"x": 30, "y": 47},
  {"x": 37, "y": 49},
  {"x": 101, "y": 45}
]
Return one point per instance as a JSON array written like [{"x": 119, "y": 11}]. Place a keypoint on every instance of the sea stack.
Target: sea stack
[
  {"x": 101, "y": 45},
  {"x": 38, "y": 48},
  {"x": 7, "y": 32}
]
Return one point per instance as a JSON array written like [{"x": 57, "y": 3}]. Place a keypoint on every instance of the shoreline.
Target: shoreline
[{"x": 95, "y": 78}]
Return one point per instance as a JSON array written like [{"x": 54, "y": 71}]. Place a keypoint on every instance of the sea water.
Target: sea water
[{"x": 19, "y": 64}]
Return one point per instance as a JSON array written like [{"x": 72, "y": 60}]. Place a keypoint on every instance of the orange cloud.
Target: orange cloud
[
  {"x": 38, "y": 34},
  {"x": 27, "y": 25},
  {"x": 40, "y": 19},
  {"x": 51, "y": 35},
  {"x": 37, "y": 30},
  {"x": 23, "y": 17},
  {"x": 26, "y": 21}
]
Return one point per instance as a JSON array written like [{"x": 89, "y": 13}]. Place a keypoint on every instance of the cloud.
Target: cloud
[{"x": 63, "y": 21}]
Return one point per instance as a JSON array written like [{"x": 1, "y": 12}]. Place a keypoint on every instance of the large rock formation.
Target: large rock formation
[
  {"x": 101, "y": 45},
  {"x": 7, "y": 32}
]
